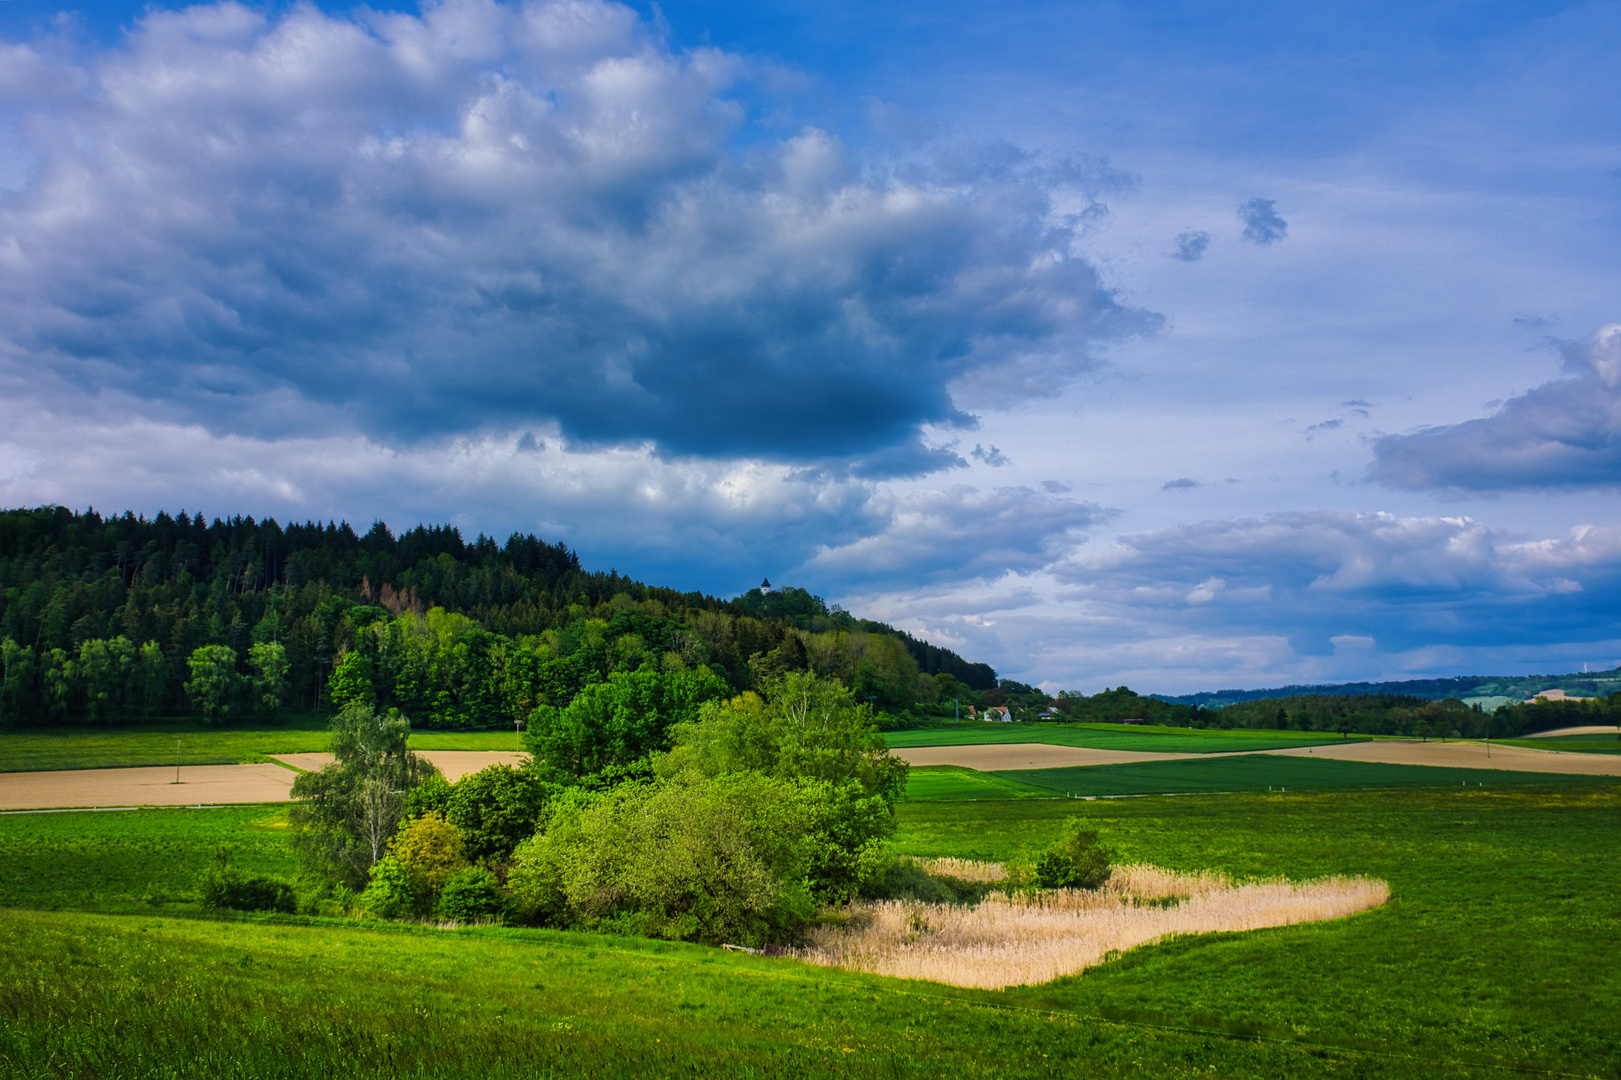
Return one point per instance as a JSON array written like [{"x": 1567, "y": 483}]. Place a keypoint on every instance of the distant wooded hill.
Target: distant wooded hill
[
  {"x": 125, "y": 617},
  {"x": 1470, "y": 688}
]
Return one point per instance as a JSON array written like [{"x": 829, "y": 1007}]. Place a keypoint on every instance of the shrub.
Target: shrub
[
  {"x": 1077, "y": 861},
  {"x": 394, "y": 892},
  {"x": 495, "y": 809},
  {"x": 718, "y": 860},
  {"x": 225, "y": 889},
  {"x": 430, "y": 848},
  {"x": 471, "y": 894}
]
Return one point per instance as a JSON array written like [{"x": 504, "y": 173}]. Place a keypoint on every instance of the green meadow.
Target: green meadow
[
  {"x": 31, "y": 749},
  {"x": 1495, "y": 953}
]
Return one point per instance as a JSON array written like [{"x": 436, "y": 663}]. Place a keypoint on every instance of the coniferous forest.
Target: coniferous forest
[{"x": 124, "y": 618}]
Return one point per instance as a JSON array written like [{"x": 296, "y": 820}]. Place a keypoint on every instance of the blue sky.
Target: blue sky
[{"x": 1181, "y": 345}]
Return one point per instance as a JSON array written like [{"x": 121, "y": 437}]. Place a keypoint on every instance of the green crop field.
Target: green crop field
[
  {"x": 1261, "y": 772},
  {"x": 1580, "y": 744},
  {"x": 930, "y": 782},
  {"x": 1159, "y": 740},
  {"x": 1495, "y": 952},
  {"x": 31, "y": 749}
]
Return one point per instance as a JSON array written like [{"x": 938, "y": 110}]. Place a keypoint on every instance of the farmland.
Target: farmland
[
  {"x": 1145, "y": 739},
  {"x": 125, "y": 978}
]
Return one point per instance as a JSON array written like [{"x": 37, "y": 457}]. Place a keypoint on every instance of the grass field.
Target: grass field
[
  {"x": 932, "y": 782},
  {"x": 1581, "y": 744},
  {"x": 30, "y": 749},
  {"x": 1496, "y": 950},
  {"x": 1159, "y": 740},
  {"x": 1260, "y": 772}
]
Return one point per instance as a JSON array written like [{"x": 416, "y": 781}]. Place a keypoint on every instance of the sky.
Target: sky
[{"x": 1174, "y": 345}]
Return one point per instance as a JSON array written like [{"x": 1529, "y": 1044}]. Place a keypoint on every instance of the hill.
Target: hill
[
  {"x": 1490, "y": 690},
  {"x": 109, "y": 619}
]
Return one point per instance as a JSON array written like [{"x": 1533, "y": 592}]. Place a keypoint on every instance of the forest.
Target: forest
[{"x": 126, "y": 618}]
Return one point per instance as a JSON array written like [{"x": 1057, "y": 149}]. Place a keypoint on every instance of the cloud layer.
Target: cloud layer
[
  {"x": 503, "y": 214},
  {"x": 1564, "y": 434}
]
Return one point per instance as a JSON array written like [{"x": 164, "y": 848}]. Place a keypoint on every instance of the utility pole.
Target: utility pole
[{"x": 177, "y": 745}]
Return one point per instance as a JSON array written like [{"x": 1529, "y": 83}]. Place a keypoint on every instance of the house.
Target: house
[
  {"x": 1134, "y": 721},
  {"x": 1049, "y": 713},
  {"x": 999, "y": 714}
]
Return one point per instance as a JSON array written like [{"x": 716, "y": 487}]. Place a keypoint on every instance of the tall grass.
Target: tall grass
[{"x": 1015, "y": 940}]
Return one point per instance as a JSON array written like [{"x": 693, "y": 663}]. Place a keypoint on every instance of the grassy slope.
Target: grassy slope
[
  {"x": 1582, "y": 744},
  {"x": 95, "y": 748},
  {"x": 1153, "y": 739}
]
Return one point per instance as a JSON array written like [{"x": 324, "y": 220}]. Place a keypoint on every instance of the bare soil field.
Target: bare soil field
[
  {"x": 1009, "y": 941},
  {"x": 1470, "y": 755},
  {"x": 992, "y": 757},
  {"x": 153, "y": 786},
  {"x": 212, "y": 784},
  {"x": 1589, "y": 729},
  {"x": 455, "y": 764}
]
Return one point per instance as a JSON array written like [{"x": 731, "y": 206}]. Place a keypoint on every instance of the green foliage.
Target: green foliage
[
  {"x": 429, "y": 848},
  {"x": 351, "y": 682},
  {"x": 1077, "y": 861},
  {"x": 454, "y": 634},
  {"x": 214, "y": 684},
  {"x": 269, "y": 663},
  {"x": 614, "y": 723},
  {"x": 804, "y": 728},
  {"x": 226, "y": 889},
  {"x": 494, "y": 809},
  {"x": 722, "y": 859},
  {"x": 393, "y": 891},
  {"x": 472, "y": 895},
  {"x": 347, "y": 813}
]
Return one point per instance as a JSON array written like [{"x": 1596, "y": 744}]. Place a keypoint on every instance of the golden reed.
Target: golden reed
[{"x": 1008, "y": 941}]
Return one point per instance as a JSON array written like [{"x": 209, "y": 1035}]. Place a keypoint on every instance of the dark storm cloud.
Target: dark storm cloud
[
  {"x": 1262, "y": 225},
  {"x": 1564, "y": 434},
  {"x": 493, "y": 215}
]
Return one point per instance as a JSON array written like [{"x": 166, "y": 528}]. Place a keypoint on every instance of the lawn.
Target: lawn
[
  {"x": 1160, "y": 740},
  {"x": 30, "y": 749},
  {"x": 1496, "y": 950}
]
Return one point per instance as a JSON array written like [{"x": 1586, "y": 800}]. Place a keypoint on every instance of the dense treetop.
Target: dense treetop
[{"x": 126, "y": 617}]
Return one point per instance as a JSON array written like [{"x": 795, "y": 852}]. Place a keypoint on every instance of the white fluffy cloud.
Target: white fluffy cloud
[
  {"x": 504, "y": 214},
  {"x": 1564, "y": 434}
]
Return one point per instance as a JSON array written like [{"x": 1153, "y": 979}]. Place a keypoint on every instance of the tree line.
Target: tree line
[{"x": 129, "y": 618}]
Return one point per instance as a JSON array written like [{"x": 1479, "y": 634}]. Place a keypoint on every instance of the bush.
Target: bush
[
  {"x": 430, "y": 848},
  {"x": 225, "y": 889},
  {"x": 394, "y": 892},
  {"x": 717, "y": 860},
  {"x": 495, "y": 809},
  {"x": 1078, "y": 861},
  {"x": 470, "y": 895}
]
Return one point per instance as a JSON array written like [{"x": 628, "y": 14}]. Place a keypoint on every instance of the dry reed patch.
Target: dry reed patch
[{"x": 1008, "y": 941}]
